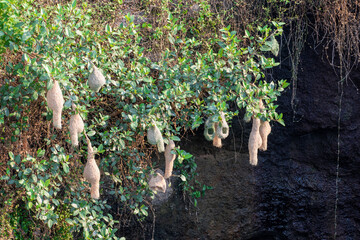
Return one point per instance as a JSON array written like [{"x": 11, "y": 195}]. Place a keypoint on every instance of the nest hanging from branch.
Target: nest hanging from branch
[
  {"x": 255, "y": 141},
  {"x": 154, "y": 137},
  {"x": 76, "y": 126},
  {"x": 96, "y": 79},
  {"x": 265, "y": 130},
  {"x": 92, "y": 172},
  {"x": 55, "y": 102},
  {"x": 216, "y": 131}
]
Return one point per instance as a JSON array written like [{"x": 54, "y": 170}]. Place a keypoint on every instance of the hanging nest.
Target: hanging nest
[
  {"x": 154, "y": 137},
  {"x": 265, "y": 130},
  {"x": 96, "y": 79},
  {"x": 76, "y": 126},
  {"x": 55, "y": 102},
  {"x": 92, "y": 172},
  {"x": 217, "y": 139},
  {"x": 209, "y": 131},
  {"x": 255, "y": 141},
  {"x": 157, "y": 183},
  {"x": 169, "y": 159},
  {"x": 222, "y": 129}
]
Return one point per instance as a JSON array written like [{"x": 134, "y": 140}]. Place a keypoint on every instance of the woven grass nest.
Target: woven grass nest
[
  {"x": 92, "y": 172},
  {"x": 154, "y": 137},
  {"x": 55, "y": 102},
  {"x": 96, "y": 79}
]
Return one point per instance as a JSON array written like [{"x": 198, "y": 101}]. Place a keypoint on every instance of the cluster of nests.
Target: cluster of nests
[
  {"x": 157, "y": 182},
  {"x": 55, "y": 102},
  {"x": 258, "y": 137},
  {"x": 214, "y": 130}
]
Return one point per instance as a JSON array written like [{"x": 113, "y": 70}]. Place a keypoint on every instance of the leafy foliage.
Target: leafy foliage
[{"x": 194, "y": 78}]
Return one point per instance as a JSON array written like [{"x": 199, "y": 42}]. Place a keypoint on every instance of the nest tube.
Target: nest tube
[
  {"x": 255, "y": 141},
  {"x": 57, "y": 118},
  {"x": 92, "y": 172},
  {"x": 169, "y": 159},
  {"x": 95, "y": 190},
  {"x": 265, "y": 130},
  {"x": 55, "y": 102},
  {"x": 217, "y": 139}
]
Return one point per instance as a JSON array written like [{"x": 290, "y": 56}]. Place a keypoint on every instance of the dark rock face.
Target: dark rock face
[{"x": 291, "y": 193}]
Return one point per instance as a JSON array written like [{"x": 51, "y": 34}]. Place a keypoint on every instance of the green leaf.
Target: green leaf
[
  {"x": 67, "y": 33},
  {"x": 91, "y": 133},
  {"x": 101, "y": 148},
  {"x": 73, "y": 4},
  {"x": 47, "y": 182},
  {"x": 26, "y": 58},
  {"x": 40, "y": 153},
  {"x": 26, "y": 36},
  {"x": 281, "y": 121},
  {"x": 171, "y": 39},
  {"x": 107, "y": 28},
  {"x": 65, "y": 167},
  {"x": 175, "y": 138},
  {"x": 50, "y": 84},
  {"x": 27, "y": 171},
  {"x": 55, "y": 201},
  {"x": 274, "y": 46},
  {"x": 187, "y": 156},
  {"x": 35, "y": 95},
  {"x": 4, "y": 177},
  {"x": 221, "y": 44},
  {"x": 29, "y": 205},
  {"x": 47, "y": 69},
  {"x": 50, "y": 223},
  {"x": 68, "y": 104},
  {"x": 18, "y": 159},
  {"x": 265, "y": 48},
  {"x": 144, "y": 212}
]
